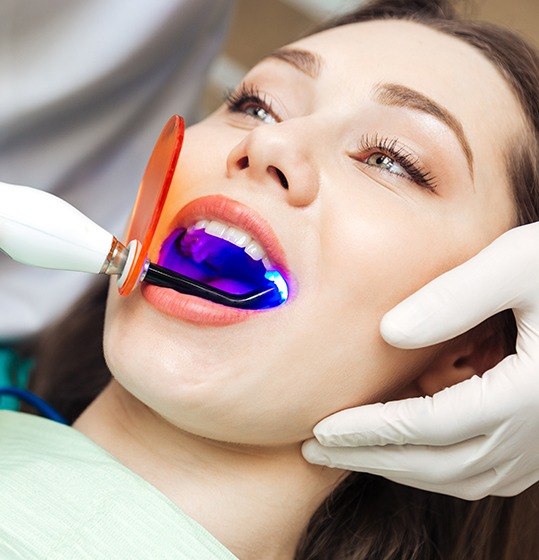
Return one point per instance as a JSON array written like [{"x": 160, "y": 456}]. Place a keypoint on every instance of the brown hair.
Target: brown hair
[{"x": 366, "y": 517}]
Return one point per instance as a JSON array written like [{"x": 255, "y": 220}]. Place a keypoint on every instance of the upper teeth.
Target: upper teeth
[{"x": 236, "y": 236}]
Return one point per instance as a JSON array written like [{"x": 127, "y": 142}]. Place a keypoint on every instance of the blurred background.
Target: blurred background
[{"x": 260, "y": 26}]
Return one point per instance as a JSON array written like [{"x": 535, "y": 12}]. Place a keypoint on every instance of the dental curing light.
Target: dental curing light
[{"x": 40, "y": 229}]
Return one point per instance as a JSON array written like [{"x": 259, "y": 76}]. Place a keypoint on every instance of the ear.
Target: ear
[{"x": 466, "y": 356}]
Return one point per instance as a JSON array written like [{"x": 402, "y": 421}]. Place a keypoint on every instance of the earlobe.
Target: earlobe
[
  {"x": 460, "y": 362},
  {"x": 448, "y": 368}
]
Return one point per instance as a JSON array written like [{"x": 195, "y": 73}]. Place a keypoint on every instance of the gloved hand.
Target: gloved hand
[{"x": 479, "y": 437}]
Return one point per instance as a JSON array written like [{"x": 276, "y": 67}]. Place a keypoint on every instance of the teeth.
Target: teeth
[
  {"x": 236, "y": 236},
  {"x": 201, "y": 224},
  {"x": 216, "y": 228},
  {"x": 255, "y": 251}
]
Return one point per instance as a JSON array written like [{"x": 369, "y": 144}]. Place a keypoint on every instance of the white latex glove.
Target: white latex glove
[{"x": 479, "y": 437}]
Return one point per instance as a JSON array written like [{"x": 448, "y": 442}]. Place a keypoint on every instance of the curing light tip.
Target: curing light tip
[{"x": 276, "y": 277}]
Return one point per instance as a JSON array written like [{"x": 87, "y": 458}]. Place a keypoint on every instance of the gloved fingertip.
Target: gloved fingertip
[
  {"x": 311, "y": 451},
  {"x": 339, "y": 440},
  {"x": 320, "y": 434},
  {"x": 394, "y": 329},
  {"x": 341, "y": 429}
]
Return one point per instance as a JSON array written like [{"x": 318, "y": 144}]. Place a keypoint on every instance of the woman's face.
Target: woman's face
[{"x": 391, "y": 139}]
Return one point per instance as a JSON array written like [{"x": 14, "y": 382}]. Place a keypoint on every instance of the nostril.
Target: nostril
[
  {"x": 243, "y": 163},
  {"x": 282, "y": 179}
]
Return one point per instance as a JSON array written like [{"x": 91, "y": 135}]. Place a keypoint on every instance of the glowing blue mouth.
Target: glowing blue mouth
[{"x": 220, "y": 264}]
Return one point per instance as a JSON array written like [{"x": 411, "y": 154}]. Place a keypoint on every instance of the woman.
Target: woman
[{"x": 380, "y": 153}]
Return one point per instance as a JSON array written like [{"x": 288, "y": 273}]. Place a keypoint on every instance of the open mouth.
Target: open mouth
[{"x": 221, "y": 256}]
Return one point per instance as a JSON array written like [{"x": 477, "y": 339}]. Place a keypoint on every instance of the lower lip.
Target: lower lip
[{"x": 193, "y": 309}]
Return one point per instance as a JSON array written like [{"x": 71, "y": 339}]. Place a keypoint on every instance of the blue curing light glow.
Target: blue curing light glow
[{"x": 280, "y": 283}]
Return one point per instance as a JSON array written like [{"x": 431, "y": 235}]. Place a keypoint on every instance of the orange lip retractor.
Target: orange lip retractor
[{"x": 151, "y": 198}]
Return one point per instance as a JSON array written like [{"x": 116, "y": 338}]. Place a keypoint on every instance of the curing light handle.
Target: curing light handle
[{"x": 40, "y": 229}]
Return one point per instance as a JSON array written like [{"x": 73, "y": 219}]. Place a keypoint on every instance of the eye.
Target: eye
[
  {"x": 260, "y": 113},
  {"x": 249, "y": 101},
  {"x": 385, "y": 162},
  {"x": 389, "y": 155}
]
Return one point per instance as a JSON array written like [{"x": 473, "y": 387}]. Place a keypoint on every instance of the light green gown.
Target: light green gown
[{"x": 64, "y": 497}]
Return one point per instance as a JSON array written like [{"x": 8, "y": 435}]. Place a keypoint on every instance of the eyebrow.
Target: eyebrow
[
  {"x": 402, "y": 96},
  {"x": 305, "y": 61}
]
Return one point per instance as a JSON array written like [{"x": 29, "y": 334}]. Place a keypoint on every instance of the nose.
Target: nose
[{"x": 277, "y": 155}]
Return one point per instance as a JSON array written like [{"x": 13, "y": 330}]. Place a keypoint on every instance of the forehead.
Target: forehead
[{"x": 450, "y": 71}]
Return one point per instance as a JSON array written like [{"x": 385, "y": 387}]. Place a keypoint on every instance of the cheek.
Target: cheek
[
  {"x": 373, "y": 261},
  {"x": 341, "y": 362},
  {"x": 123, "y": 338},
  {"x": 201, "y": 171},
  {"x": 204, "y": 153},
  {"x": 369, "y": 263}
]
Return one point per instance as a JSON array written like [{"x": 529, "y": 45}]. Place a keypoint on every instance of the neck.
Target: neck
[{"x": 255, "y": 501}]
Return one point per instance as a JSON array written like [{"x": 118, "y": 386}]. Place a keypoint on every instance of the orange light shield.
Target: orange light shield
[{"x": 152, "y": 195}]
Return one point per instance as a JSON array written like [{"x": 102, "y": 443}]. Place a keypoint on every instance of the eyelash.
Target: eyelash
[
  {"x": 236, "y": 101},
  {"x": 409, "y": 162}
]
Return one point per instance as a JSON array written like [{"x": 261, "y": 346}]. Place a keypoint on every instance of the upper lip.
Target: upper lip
[{"x": 220, "y": 207}]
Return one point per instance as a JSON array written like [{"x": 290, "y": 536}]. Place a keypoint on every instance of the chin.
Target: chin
[{"x": 211, "y": 405}]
